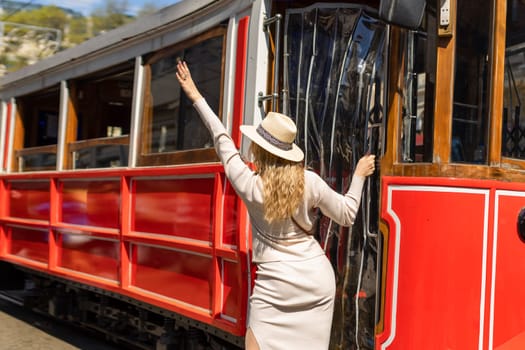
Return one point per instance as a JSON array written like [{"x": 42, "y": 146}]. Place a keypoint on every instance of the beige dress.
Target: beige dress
[{"x": 292, "y": 303}]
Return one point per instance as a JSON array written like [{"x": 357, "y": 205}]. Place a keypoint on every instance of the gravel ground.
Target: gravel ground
[{"x": 21, "y": 329}]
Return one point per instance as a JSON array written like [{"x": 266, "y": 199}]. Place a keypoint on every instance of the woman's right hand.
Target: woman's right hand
[
  {"x": 366, "y": 165},
  {"x": 186, "y": 82}
]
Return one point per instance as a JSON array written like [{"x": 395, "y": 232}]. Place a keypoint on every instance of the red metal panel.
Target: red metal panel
[
  {"x": 508, "y": 309},
  {"x": 232, "y": 283},
  {"x": 240, "y": 78},
  {"x": 174, "y": 274},
  {"x": 3, "y": 240},
  {"x": 82, "y": 253},
  {"x": 125, "y": 187},
  {"x": 53, "y": 220},
  {"x": 177, "y": 207},
  {"x": 435, "y": 289},
  {"x": 216, "y": 284},
  {"x": 230, "y": 216},
  {"x": 242, "y": 238},
  {"x": 29, "y": 199},
  {"x": 3, "y": 211},
  {"x": 92, "y": 203},
  {"x": 28, "y": 243}
]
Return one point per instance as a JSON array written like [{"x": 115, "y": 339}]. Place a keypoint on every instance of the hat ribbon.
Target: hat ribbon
[{"x": 272, "y": 140}]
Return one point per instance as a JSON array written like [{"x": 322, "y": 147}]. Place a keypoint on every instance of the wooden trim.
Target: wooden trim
[
  {"x": 71, "y": 124},
  {"x": 78, "y": 145},
  {"x": 18, "y": 138},
  {"x": 217, "y": 31},
  {"x": 201, "y": 155},
  {"x": 90, "y": 143},
  {"x": 35, "y": 150},
  {"x": 497, "y": 79},
  {"x": 394, "y": 101},
  {"x": 500, "y": 167},
  {"x": 7, "y": 133},
  {"x": 510, "y": 171},
  {"x": 512, "y": 163},
  {"x": 444, "y": 96}
]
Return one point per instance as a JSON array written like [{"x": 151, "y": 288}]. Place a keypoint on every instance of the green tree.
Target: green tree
[
  {"x": 110, "y": 16},
  {"x": 78, "y": 31},
  {"x": 27, "y": 38},
  {"x": 46, "y": 16}
]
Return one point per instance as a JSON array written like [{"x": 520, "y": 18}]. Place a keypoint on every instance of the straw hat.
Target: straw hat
[{"x": 276, "y": 134}]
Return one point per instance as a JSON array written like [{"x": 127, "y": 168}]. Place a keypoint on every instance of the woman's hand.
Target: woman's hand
[
  {"x": 186, "y": 82},
  {"x": 366, "y": 165}
]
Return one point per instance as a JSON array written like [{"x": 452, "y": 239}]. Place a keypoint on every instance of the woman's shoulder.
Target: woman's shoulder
[
  {"x": 315, "y": 187},
  {"x": 311, "y": 176}
]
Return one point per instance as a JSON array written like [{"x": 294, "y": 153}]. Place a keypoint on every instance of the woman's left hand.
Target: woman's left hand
[
  {"x": 366, "y": 165},
  {"x": 186, "y": 82}
]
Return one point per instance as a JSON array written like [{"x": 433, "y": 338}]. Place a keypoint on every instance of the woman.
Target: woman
[{"x": 292, "y": 302}]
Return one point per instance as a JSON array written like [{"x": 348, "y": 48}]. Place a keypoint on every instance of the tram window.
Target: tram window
[
  {"x": 102, "y": 118},
  {"x": 173, "y": 133},
  {"x": 513, "y": 138},
  {"x": 420, "y": 81},
  {"x": 470, "y": 112},
  {"x": 37, "y": 130}
]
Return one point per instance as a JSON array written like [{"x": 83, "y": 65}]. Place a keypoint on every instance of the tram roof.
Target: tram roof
[{"x": 119, "y": 45}]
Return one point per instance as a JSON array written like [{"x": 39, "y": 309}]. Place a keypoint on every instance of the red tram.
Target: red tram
[{"x": 115, "y": 212}]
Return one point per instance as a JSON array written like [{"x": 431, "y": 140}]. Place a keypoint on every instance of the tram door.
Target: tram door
[{"x": 333, "y": 78}]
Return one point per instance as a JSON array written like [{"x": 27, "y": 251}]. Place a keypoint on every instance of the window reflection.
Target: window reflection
[
  {"x": 38, "y": 116},
  {"x": 419, "y": 90},
  {"x": 41, "y": 158},
  {"x": 102, "y": 112},
  {"x": 102, "y": 155},
  {"x": 171, "y": 122},
  {"x": 513, "y": 138},
  {"x": 470, "y": 113}
]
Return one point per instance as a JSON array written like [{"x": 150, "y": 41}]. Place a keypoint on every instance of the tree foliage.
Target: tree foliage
[
  {"x": 46, "y": 16},
  {"x": 110, "y": 16},
  {"x": 41, "y": 32},
  {"x": 78, "y": 31},
  {"x": 30, "y": 36}
]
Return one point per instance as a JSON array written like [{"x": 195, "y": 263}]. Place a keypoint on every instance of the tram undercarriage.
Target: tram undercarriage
[{"x": 119, "y": 319}]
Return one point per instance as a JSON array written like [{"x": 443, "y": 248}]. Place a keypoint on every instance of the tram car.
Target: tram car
[{"x": 115, "y": 213}]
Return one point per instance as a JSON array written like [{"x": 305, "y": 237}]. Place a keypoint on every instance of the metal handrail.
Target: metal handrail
[{"x": 274, "y": 95}]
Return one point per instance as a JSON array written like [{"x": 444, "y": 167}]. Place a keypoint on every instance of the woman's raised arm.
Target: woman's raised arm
[{"x": 186, "y": 82}]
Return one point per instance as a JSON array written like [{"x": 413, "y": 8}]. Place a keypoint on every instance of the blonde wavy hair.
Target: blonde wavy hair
[{"x": 283, "y": 182}]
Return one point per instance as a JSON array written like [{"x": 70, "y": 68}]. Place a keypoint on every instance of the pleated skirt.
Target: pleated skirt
[{"x": 292, "y": 304}]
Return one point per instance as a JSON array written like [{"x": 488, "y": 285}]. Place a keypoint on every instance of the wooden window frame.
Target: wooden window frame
[
  {"x": 72, "y": 143},
  {"x": 29, "y": 151},
  {"x": 498, "y": 167},
  {"x": 198, "y": 155},
  {"x": 19, "y": 151},
  {"x": 76, "y": 146}
]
